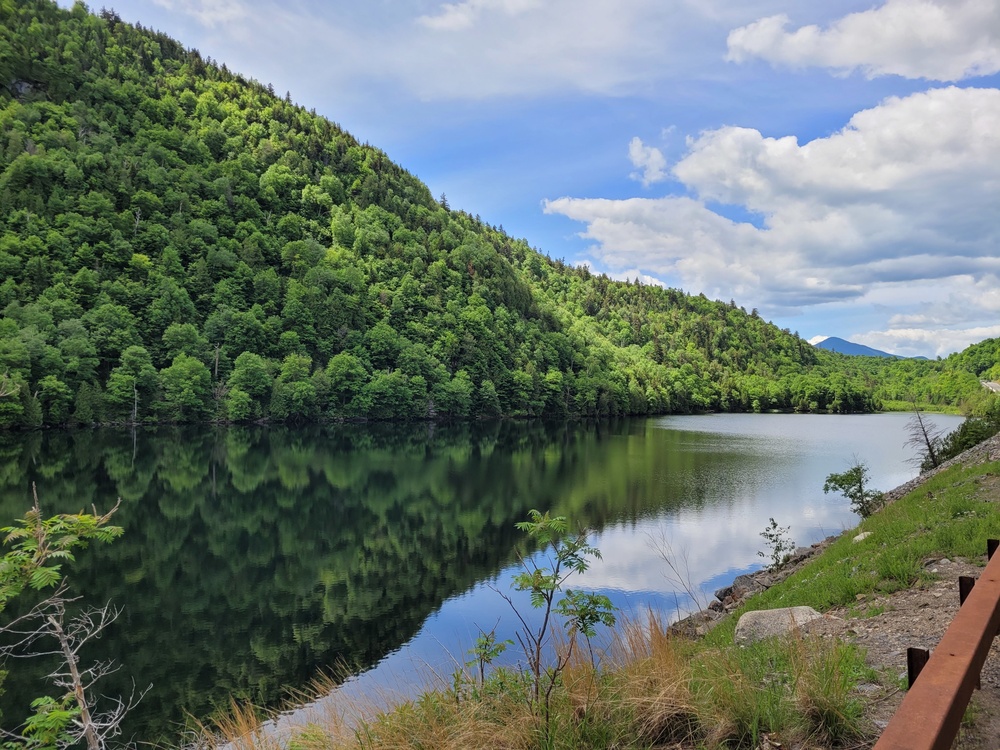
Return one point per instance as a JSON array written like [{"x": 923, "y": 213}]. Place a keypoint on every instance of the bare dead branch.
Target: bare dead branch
[
  {"x": 47, "y": 619},
  {"x": 678, "y": 570},
  {"x": 8, "y": 387},
  {"x": 926, "y": 437}
]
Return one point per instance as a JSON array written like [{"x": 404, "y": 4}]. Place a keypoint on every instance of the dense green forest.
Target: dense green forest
[{"x": 178, "y": 243}]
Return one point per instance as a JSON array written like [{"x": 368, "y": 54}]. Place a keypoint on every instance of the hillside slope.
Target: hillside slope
[{"x": 178, "y": 243}]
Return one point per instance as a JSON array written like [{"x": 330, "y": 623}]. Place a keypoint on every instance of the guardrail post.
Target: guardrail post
[
  {"x": 965, "y": 584},
  {"x": 916, "y": 658}
]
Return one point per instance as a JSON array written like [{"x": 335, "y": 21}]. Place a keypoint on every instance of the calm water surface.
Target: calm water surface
[{"x": 254, "y": 559}]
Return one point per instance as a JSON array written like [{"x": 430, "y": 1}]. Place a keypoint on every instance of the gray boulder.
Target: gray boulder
[
  {"x": 722, "y": 593},
  {"x": 766, "y": 623},
  {"x": 745, "y": 585}
]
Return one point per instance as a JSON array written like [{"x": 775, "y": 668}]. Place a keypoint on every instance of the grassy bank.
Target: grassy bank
[
  {"x": 924, "y": 406},
  {"x": 652, "y": 689}
]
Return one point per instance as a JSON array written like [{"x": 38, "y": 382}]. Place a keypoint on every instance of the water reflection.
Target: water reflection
[{"x": 253, "y": 558}]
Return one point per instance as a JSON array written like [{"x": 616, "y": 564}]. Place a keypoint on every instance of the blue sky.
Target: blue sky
[{"x": 835, "y": 165}]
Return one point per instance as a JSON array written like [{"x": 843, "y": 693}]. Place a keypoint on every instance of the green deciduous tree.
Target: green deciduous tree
[
  {"x": 55, "y": 398},
  {"x": 294, "y": 394},
  {"x": 779, "y": 545},
  {"x": 250, "y": 385},
  {"x": 187, "y": 390},
  {"x": 346, "y": 375},
  {"x": 854, "y": 484},
  {"x": 389, "y": 396},
  {"x": 132, "y": 385},
  {"x": 545, "y": 583}
]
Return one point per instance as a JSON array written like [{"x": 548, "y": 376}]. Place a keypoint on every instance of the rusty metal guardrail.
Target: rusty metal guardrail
[{"x": 931, "y": 712}]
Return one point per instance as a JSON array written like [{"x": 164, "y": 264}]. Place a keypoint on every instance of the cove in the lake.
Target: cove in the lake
[{"x": 255, "y": 558}]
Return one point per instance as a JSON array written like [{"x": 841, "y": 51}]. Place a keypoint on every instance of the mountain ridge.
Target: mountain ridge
[{"x": 843, "y": 346}]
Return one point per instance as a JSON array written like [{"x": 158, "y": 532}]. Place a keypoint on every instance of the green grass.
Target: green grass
[{"x": 891, "y": 405}]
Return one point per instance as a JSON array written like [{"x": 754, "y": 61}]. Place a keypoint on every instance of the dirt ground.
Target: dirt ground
[{"x": 918, "y": 617}]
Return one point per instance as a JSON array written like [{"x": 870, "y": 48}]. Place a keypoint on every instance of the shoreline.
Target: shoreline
[{"x": 731, "y": 597}]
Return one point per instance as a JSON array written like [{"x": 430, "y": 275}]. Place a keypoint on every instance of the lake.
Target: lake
[{"x": 255, "y": 558}]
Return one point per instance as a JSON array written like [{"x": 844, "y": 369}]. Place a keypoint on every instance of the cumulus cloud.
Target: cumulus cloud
[
  {"x": 912, "y": 342},
  {"x": 939, "y": 40},
  {"x": 207, "y": 12},
  {"x": 949, "y": 316},
  {"x": 907, "y": 191},
  {"x": 648, "y": 160}
]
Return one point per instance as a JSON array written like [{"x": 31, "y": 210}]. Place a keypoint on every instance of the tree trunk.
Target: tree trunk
[{"x": 87, "y": 723}]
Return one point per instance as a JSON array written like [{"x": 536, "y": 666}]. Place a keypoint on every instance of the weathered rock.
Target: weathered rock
[
  {"x": 745, "y": 585},
  {"x": 722, "y": 593},
  {"x": 695, "y": 625},
  {"x": 800, "y": 554},
  {"x": 862, "y": 536},
  {"x": 765, "y": 623}
]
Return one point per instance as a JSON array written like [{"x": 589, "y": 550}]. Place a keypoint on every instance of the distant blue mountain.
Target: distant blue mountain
[{"x": 849, "y": 347}]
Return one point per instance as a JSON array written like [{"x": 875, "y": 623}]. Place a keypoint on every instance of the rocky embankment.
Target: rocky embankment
[{"x": 731, "y": 597}]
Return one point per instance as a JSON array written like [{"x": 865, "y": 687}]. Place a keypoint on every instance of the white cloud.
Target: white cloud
[
  {"x": 630, "y": 275},
  {"x": 466, "y": 49},
  {"x": 482, "y": 49},
  {"x": 207, "y": 12},
  {"x": 911, "y": 342},
  {"x": 514, "y": 47},
  {"x": 907, "y": 191},
  {"x": 458, "y": 16},
  {"x": 649, "y": 160},
  {"x": 940, "y": 40},
  {"x": 818, "y": 340}
]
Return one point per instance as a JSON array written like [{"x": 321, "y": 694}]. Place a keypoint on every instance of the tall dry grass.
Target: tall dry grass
[
  {"x": 646, "y": 688},
  {"x": 650, "y": 673}
]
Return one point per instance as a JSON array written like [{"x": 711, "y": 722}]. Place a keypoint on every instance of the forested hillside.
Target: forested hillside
[
  {"x": 952, "y": 382},
  {"x": 178, "y": 243}
]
